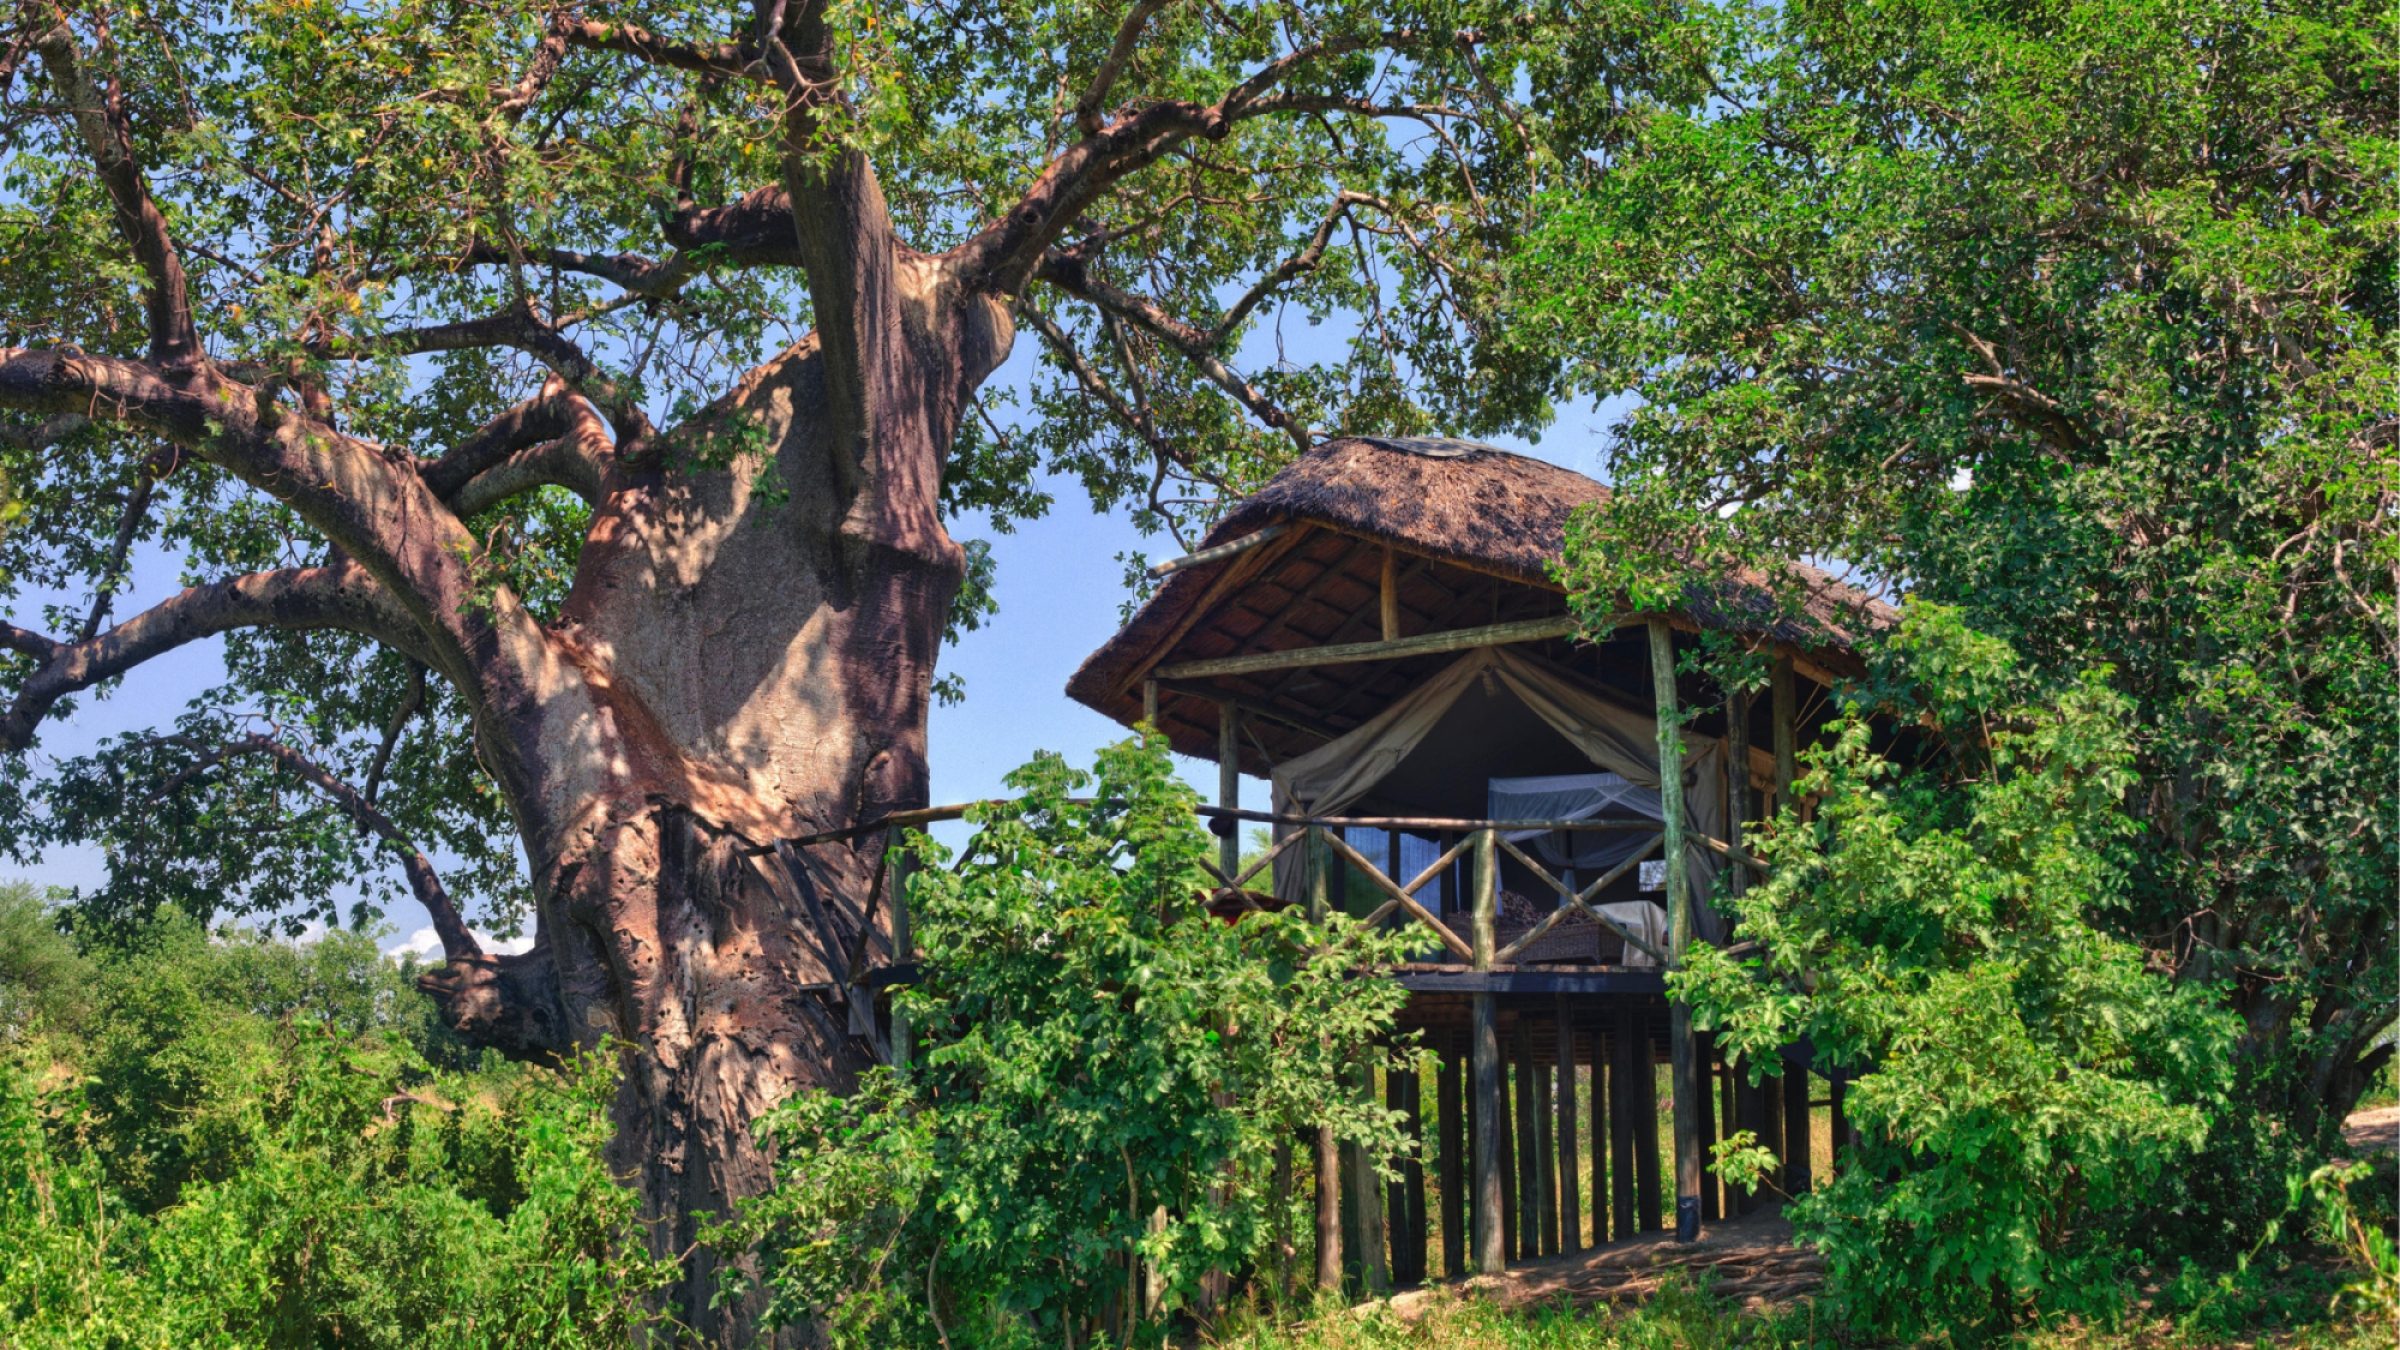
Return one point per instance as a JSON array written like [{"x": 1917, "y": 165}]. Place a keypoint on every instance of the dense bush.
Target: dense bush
[
  {"x": 224, "y": 1140},
  {"x": 2033, "y": 1081},
  {"x": 1104, "y": 1076}
]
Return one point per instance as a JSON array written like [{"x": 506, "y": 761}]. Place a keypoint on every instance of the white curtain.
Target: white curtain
[{"x": 1614, "y": 738}]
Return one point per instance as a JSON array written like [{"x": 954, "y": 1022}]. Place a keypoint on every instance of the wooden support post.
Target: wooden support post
[
  {"x": 1229, "y": 786},
  {"x": 1647, "y": 1198},
  {"x": 1329, "y": 1153},
  {"x": 1412, "y": 1177},
  {"x": 1840, "y": 1119},
  {"x": 1786, "y": 714},
  {"x": 1706, "y": 1051},
  {"x": 1490, "y": 1225},
  {"x": 1509, "y": 1199},
  {"x": 1365, "y": 1200},
  {"x": 1746, "y": 1096},
  {"x": 1598, "y": 1033},
  {"x": 1545, "y": 1156},
  {"x": 1389, "y": 594},
  {"x": 1449, "y": 1100},
  {"x": 1737, "y": 782},
  {"x": 1529, "y": 1145},
  {"x": 1150, "y": 703},
  {"x": 1770, "y": 1123},
  {"x": 1622, "y": 1068},
  {"x": 1737, "y": 1200},
  {"x": 1798, "y": 1141},
  {"x": 904, "y": 950},
  {"x": 1570, "y": 1161},
  {"x": 1685, "y": 1081}
]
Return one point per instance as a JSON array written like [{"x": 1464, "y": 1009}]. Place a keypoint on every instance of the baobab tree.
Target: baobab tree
[{"x": 557, "y": 412}]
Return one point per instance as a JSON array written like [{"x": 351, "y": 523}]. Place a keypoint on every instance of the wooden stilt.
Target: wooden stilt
[
  {"x": 1745, "y": 1096},
  {"x": 1365, "y": 1201},
  {"x": 1798, "y": 1137},
  {"x": 1840, "y": 1118},
  {"x": 1647, "y": 1198},
  {"x": 1686, "y": 1083},
  {"x": 1490, "y": 1224},
  {"x": 1529, "y": 1145},
  {"x": 1329, "y": 1210},
  {"x": 1596, "y": 1033},
  {"x": 1737, "y": 1199},
  {"x": 1229, "y": 785},
  {"x": 1449, "y": 1101},
  {"x": 1511, "y": 1249},
  {"x": 1395, "y": 1190},
  {"x": 1570, "y": 1188},
  {"x": 1329, "y": 1154},
  {"x": 1711, "y": 1207},
  {"x": 1770, "y": 1126},
  {"x": 1412, "y": 1178},
  {"x": 1623, "y": 1067},
  {"x": 1545, "y": 1155}
]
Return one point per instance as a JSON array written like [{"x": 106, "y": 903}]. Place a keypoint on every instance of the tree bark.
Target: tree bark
[{"x": 745, "y": 657}]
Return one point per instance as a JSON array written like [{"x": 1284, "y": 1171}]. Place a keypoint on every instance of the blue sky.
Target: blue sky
[{"x": 1059, "y": 589}]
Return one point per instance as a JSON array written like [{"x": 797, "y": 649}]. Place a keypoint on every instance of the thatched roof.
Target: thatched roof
[{"x": 1479, "y": 527}]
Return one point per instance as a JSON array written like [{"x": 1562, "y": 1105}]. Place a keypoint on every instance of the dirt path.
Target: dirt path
[{"x": 1751, "y": 1260}]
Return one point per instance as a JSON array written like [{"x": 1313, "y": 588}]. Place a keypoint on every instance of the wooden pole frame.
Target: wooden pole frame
[
  {"x": 1485, "y": 1053},
  {"x": 1570, "y": 1186},
  {"x": 1679, "y": 932},
  {"x": 1346, "y": 653}
]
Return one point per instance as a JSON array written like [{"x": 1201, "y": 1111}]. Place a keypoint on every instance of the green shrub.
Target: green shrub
[
  {"x": 2032, "y": 1081},
  {"x": 1104, "y": 1073},
  {"x": 247, "y": 1151}
]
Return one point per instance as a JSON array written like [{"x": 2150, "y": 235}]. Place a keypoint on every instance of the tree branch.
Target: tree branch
[
  {"x": 1196, "y": 345},
  {"x": 1120, "y": 53},
  {"x": 341, "y": 596},
  {"x": 457, "y": 940},
  {"x": 100, "y": 119}
]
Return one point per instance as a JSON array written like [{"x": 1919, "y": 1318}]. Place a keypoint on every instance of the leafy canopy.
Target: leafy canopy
[
  {"x": 2029, "y": 1083},
  {"x": 1104, "y": 1076},
  {"x": 2077, "y": 316}
]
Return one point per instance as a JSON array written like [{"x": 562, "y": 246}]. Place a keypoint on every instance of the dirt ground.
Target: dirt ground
[{"x": 1752, "y": 1259}]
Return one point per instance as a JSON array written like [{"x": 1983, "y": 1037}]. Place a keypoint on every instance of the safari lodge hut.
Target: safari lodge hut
[{"x": 1377, "y": 635}]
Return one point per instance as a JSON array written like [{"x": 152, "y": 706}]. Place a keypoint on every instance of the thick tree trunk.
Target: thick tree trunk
[{"x": 747, "y": 654}]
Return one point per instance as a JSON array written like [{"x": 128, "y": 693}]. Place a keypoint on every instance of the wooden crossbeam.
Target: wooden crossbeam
[
  {"x": 1400, "y": 897},
  {"x": 1578, "y": 901},
  {"x": 1345, "y": 653}
]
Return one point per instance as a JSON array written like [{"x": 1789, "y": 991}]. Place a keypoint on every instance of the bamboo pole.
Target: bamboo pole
[
  {"x": 1486, "y": 1056},
  {"x": 1685, "y": 1082}
]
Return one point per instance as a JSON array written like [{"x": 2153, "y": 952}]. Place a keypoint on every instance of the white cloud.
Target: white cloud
[{"x": 426, "y": 945}]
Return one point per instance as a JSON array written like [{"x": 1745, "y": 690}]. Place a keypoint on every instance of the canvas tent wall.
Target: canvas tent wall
[{"x": 1433, "y": 719}]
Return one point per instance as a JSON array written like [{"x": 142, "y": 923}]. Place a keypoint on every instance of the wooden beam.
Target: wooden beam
[
  {"x": 1388, "y": 591},
  {"x": 1228, "y": 549},
  {"x": 1228, "y": 579},
  {"x": 1679, "y": 933},
  {"x": 1346, "y": 653}
]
